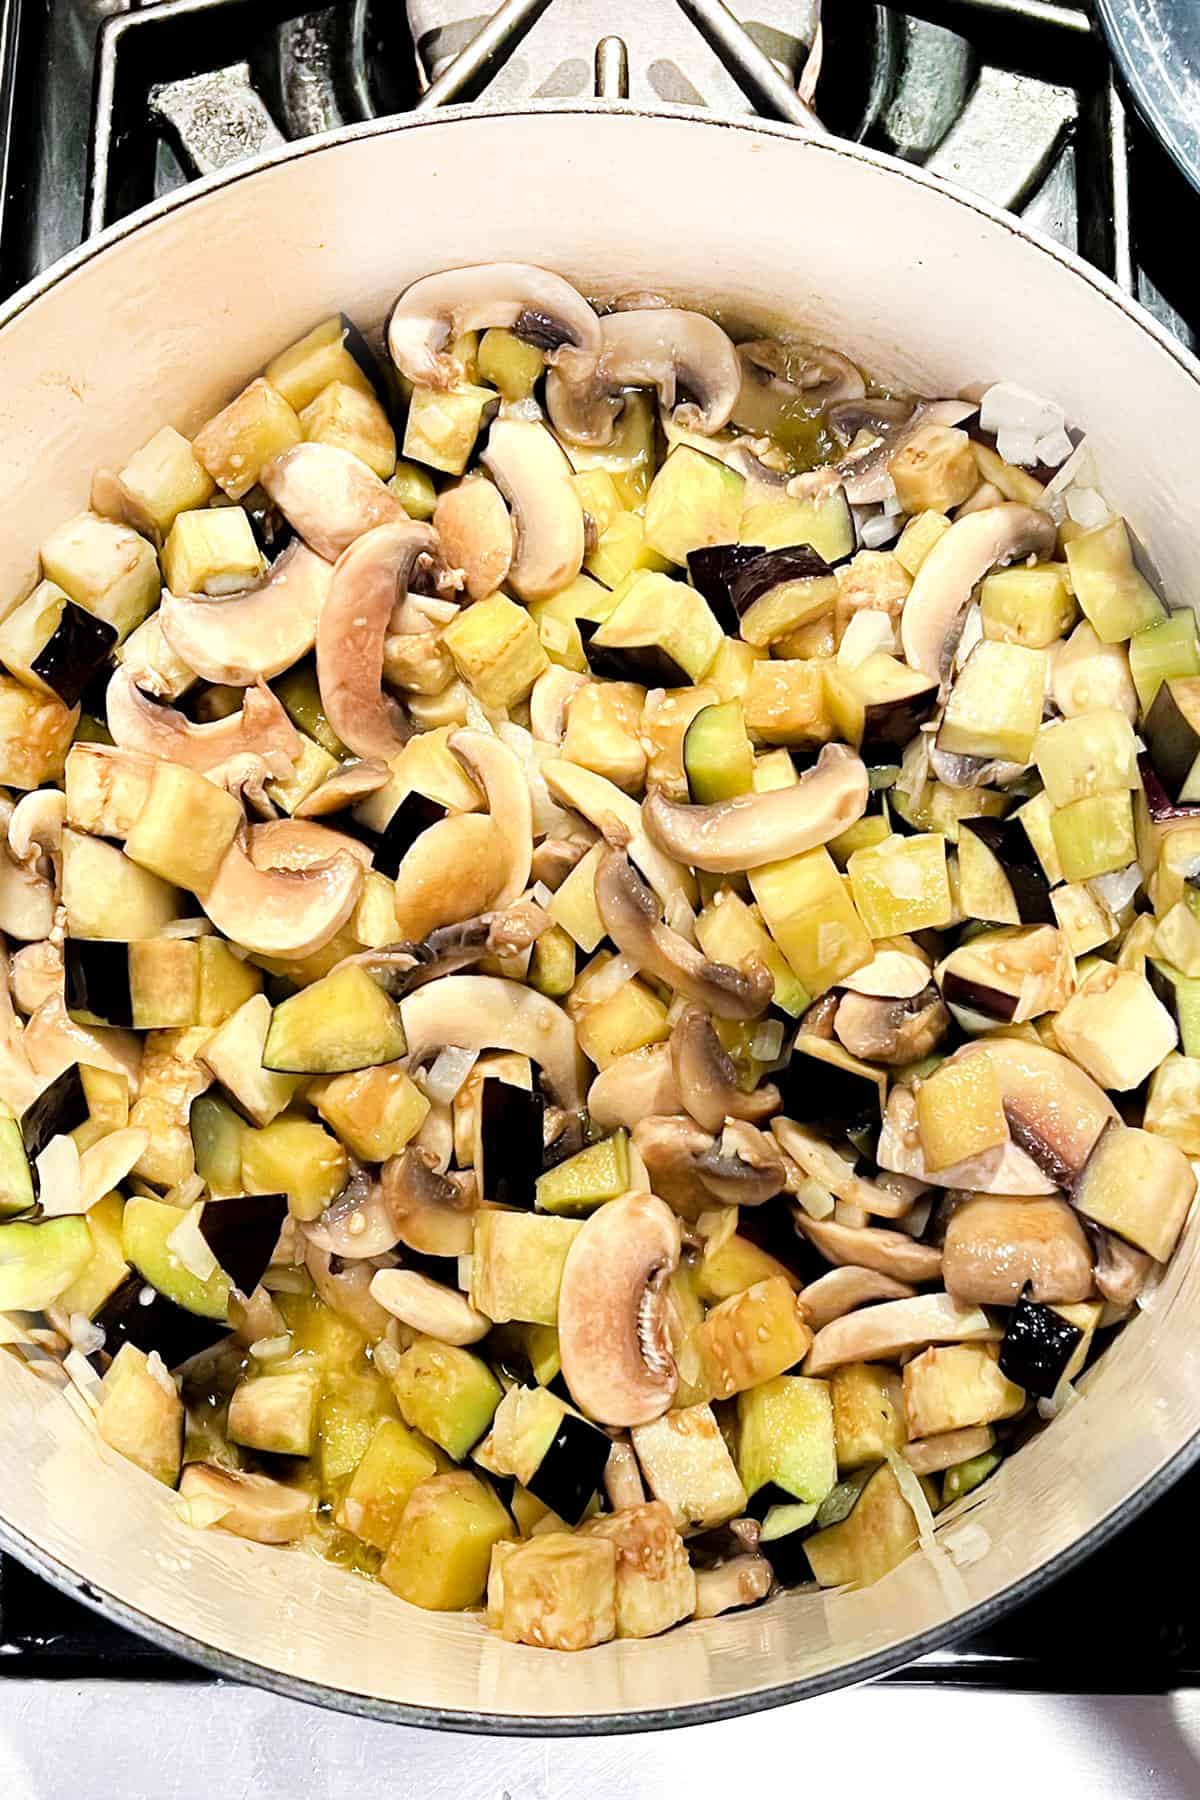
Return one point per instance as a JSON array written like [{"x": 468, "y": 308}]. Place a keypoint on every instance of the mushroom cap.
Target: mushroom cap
[
  {"x": 612, "y": 1313},
  {"x": 535, "y": 304},
  {"x": 882, "y": 1332},
  {"x": 891, "y": 1031},
  {"x": 485, "y": 1012},
  {"x": 664, "y": 347},
  {"x": 283, "y": 912},
  {"x": 475, "y": 533},
  {"x": 532, "y": 472},
  {"x": 450, "y": 874},
  {"x": 137, "y": 722},
  {"x": 870, "y": 1247},
  {"x": 706, "y": 1080},
  {"x": 329, "y": 496},
  {"x": 958, "y": 562},
  {"x": 633, "y": 1087},
  {"x": 752, "y": 829},
  {"x": 497, "y": 769},
  {"x": 368, "y": 580},
  {"x": 996, "y": 1246},
  {"x": 348, "y": 784},
  {"x": 239, "y": 639}
]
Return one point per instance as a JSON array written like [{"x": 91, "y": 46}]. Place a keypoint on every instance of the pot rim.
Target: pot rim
[{"x": 701, "y": 1712}]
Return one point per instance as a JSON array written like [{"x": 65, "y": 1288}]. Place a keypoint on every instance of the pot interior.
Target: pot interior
[{"x": 925, "y": 287}]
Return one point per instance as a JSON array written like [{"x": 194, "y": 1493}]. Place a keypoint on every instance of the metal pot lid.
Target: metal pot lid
[{"x": 1156, "y": 44}]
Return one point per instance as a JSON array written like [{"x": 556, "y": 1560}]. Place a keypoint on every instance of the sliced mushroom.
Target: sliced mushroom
[
  {"x": 926, "y": 1456},
  {"x": 239, "y": 639},
  {"x": 619, "y": 818},
  {"x": 893, "y": 973},
  {"x": 1055, "y": 1111},
  {"x": 429, "y": 1306},
  {"x": 347, "y": 1290},
  {"x": 496, "y": 769},
  {"x": 329, "y": 496},
  {"x": 612, "y": 1327},
  {"x": 996, "y": 1247},
  {"x": 743, "y": 1167},
  {"x": 484, "y": 1012},
  {"x": 891, "y": 1031},
  {"x": 254, "y": 1506},
  {"x": 1121, "y": 1270},
  {"x": 663, "y": 347},
  {"x": 450, "y": 873},
  {"x": 886, "y": 427},
  {"x": 261, "y": 728},
  {"x": 822, "y": 1163},
  {"x": 1006, "y": 1169},
  {"x": 623, "y": 1478},
  {"x": 886, "y": 1252},
  {"x": 357, "y": 1224},
  {"x": 773, "y": 393},
  {"x": 27, "y": 897},
  {"x": 553, "y": 690},
  {"x": 670, "y": 1148},
  {"x": 283, "y": 912},
  {"x": 634, "y": 1087},
  {"x": 953, "y": 569},
  {"x": 346, "y": 787},
  {"x": 37, "y": 974},
  {"x": 752, "y": 829},
  {"x": 534, "y": 304},
  {"x": 629, "y": 911},
  {"x": 706, "y": 1080},
  {"x": 532, "y": 472},
  {"x": 35, "y": 826},
  {"x": 843, "y": 1290},
  {"x": 476, "y": 534},
  {"x": 301, "y": 844},
  {"x": 882, "y": 1332},
  {"x": 741, "y": 1581},
  {"x": 370, "y": 577},
  {"x": 433, "y": 1213}
]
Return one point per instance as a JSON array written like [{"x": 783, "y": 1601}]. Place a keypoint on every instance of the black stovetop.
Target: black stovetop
[{"x": 1014, "y": 98}]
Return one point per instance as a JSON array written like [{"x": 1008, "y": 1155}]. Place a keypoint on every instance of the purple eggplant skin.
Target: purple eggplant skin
[
  {"x": 888, "y": 725},
  {"x": 510, "y": 1129},
  {"x": 957, "y": 990},
  {"x": 58, "y": 1109},
  {"x": 647, "y": 664},
  {"x": 377, "y": 369},
  {"x": 155, "y": 1323},
  {"x": 272, "y": 532},
  {"x": 572, "y": 1468},
  {"x": 78, "y": 646},
  {"x": 1038, "y": 1344},
  {"x": 1159, "y": 803},
  {"x": 242, "y": 1233},
  {"x": 1172, "y": 741},
  {"x": 712, "y": 569},
  {"x": 97, "y": 980},
  {"x": 1013, "y": 849},
  {"x": 820, "y": 1093},
  {"x": 797, "y": 562},
  {"x": 414, "y": 815}
]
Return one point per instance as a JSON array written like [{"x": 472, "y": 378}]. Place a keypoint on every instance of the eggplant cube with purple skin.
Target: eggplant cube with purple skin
[{"x": 1116, "y": 1028}]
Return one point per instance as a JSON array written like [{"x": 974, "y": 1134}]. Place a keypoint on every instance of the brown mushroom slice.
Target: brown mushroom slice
[
  {"x": 679, "y": 353},
  {"x": 531, "y": 470},
  {"x": 870, "y": 1247},
  {"x": 706, "y": 1080},
  {"x": 773, "y": 393},
  {"x": 1121, "y": 1271},
  {"x": 450, "y": 874},
  {"x": 879, "y": 1333},
  {"x": 369, "y": 579},
  {"x": 238, "y": 639},
  {"x": 743, "y": 1167},
  {"x": 1055, "y": 1111},
  {"x": 485, "y": 1012},
  {"x": 283, "y": 912},
  {"x": 535, "y": 304},
  {"x": 949, "y": 575},
  {"x": 345, "y": 787},
  {"x": 928, "y": 1456},
  {"x": 749, "y": 830},
  {"x": 670, "y": 1148},
  {"x": 997, "y": 1246},
  {"x": 742, "y": 1581},
  {"x": 254, "y": 1506},
  {"x": 894, "y": 1032},
  {"x": 346, "y": 1289},
  {"x": 260, "y": 728},
  {"x": 612, "y": 1318},
  {"x": 1006, "y": 1169},
  {"x": 553, "y": 690},
  {"x": 618, "y": 817},
  {"x": 329, "y": 496},
  {"x": 357, "y": 1224},
  {"x": 822, "y": 1163},
  {"x": 433, "y": 1213},
  {"x": 633, "y": 1087},
  {"x": 629, "y": 912},
  {"x": 845, "y": 1290},
  {"x": 496, "y": 769},
  {"x": 476, "y": 534},
  {"x": 897, "y": 971}
]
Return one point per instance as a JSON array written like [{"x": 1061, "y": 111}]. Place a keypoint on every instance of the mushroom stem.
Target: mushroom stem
[
  {"x": 497, "y": 770},
  {"x": 242, "y": 638},
  {"x": 368, "y": 580},
  {"x": 137, "y": 722},
  {"x": 752, "y": 829},
  {"x": 484, "y": 1012},
  {"x": 706, "y": 1080}
]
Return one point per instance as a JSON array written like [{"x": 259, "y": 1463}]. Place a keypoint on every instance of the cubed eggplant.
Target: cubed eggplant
[
  {"x": 414, "y": 815},
  {"x": 713, "y": 570},
  {"x": 1171, "y": 729},
  {"x": 97, "y": 984},
  {"x": 510, "y": 1134},
  {"x": 648, "y": 664},
  {"x": 94, "y": 698},
  {"x": 1037, "y": 1347},
  {"x": 771, "y": 1227},
  {"x": 78, "y": 646},
  {"x": 242, "y": 1233},
  {"x": 1013, "y": 849},
  {"x": 572, "y": 1468},
  {"x": 977, "y": 997},
  {"x": 272, "y": 533},
  {"x": 798, "y": 562},
  {"x": 1159, "y": 804},
  {"x": 58, "y": 1109},
  {"x": 823, "y": 1085},
  {"x": 136, "y": 1313}
]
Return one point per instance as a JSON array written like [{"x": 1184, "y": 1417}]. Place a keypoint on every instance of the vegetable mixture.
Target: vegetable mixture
[{"x": 602, "y": 1017}]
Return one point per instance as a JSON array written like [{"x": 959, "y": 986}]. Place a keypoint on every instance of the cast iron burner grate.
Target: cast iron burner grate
[{"x": 1014, "y": 98}]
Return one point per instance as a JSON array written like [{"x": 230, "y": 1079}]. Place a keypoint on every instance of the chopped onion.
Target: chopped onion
[
  {"x": 267, "y": 1349},
  {"x": 58, "y": 1177},
  {"x": 878, "y": 530},
  {"x": 767, "y": 1042},
  {"x": 680, "y": 917},
  {"x": 555, "y": 634},
  {"x": 466, "y": 1265},
  {"x": 1017, "y": 447},
  {"x": 156, "y": 1367},
  {"x": 970, "y": 635},
  {"x": 477, "y": 718},
  {"x": 1064, "y": 1395},
  {"x": 909, "y": 1484},
  {"x": 542, "y": 895},
  {"x": 716, "y": 1227},
  {"x": 448, "y": 1072},
  {"x": 1054, "y": 447},
  {"x": 1006, "y": 407},
  {"x": 676, "y": 1010},
  {"x": 868, "y": 632},
  {"x": 609, "y": 980},
  {"x": 186, "y": 928},
  {"x": 1087, "y": 507},
  {"x": 966, "y": 1543},
  {"x": 815, "y": 1200},
  {"x": 386, "y": 1358},
  {"x": 916, "y": 1218},
  {"x": 549, "y": 819},
  {"x": 84, "y": 1377},
  {"x": 1116, "y": 890},
  {"x": 436, "y": 610},
  {"x": 186, "y": 1192},
  {"x": 279, "y": 1279},
  {"x": 200, "y": 1512},
  {"x": 188, "y": 1243},
  {"x": 86, "y": 1337}
]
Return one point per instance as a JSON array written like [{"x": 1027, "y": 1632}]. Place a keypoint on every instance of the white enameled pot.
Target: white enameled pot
[{"x": 158, "y": 322}]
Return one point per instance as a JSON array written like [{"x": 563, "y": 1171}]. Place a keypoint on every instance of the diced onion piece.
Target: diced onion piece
[
  {"x": 909, "y": 1484},
  {"x": 610, "y": 979},
  {"x": 1054, "y": 447},
  {"x": 279, "y": 1279},
  {"x": 58, "y": 1177},
  {"x": 767, "y": 1041},
  {"x": 185, "y": 1192},
  {"x": 1017, "y": 447},
  {"x": 680, "y": 917},
  {"x": 970, "y": 635},
  {"x": 1064, "y": 1395},
  {"x": 188, "y": 1243},
  {"x": 1115, "y": 891},
  {"x": 84, "y": 1377},
  {"x": 1087, "y": 507},
  {"x": 541, "y": 895},
  {"x": 448, "y": 1072},
  {"x": 1007, "y": 407},
  {"x": 186, "y": 928},
  {"x": 878, "y": 530},
  {"x": 267, "y": 1349},
  {"x": 966, "y": 1543},
  {"x": 200, "y": 1512},
  {"x": 156, "y": 1367},
  {"x": 816, "y": 1201},
  {"x": 868, "y": 632},
  {"x": 716, "y": 1226},
  {"x": 86, "y": 1336},
  {"x": 466, "y": 1265}
]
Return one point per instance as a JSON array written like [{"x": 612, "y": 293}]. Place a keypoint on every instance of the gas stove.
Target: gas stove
[{"x": 103, "y": 109}]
